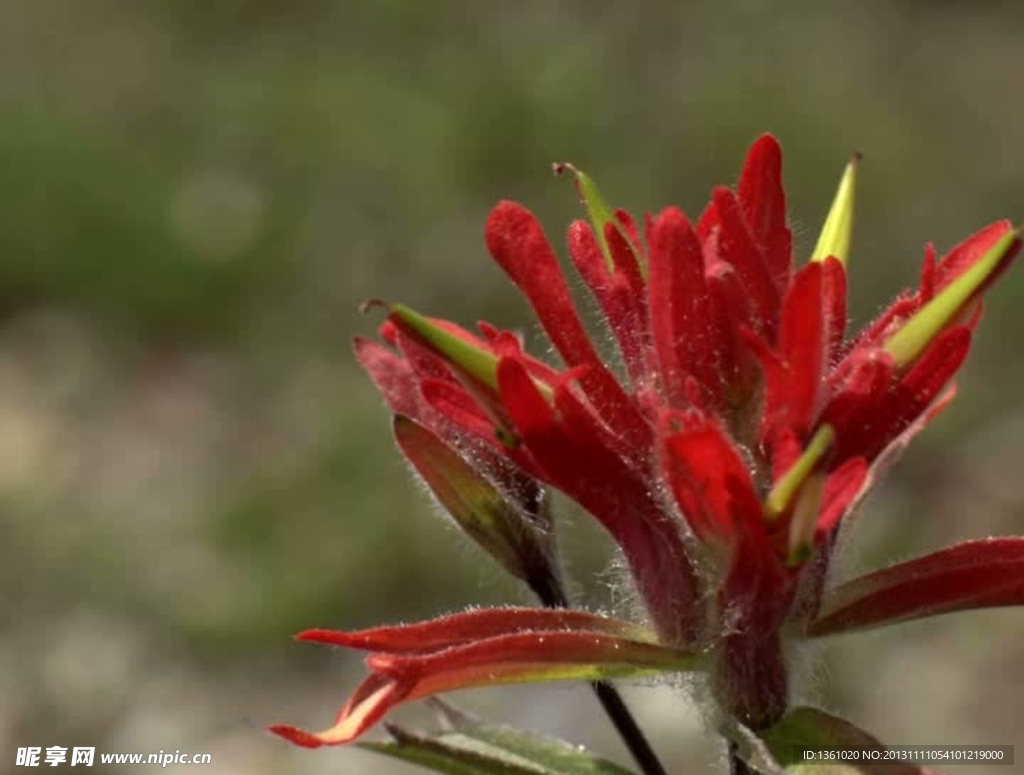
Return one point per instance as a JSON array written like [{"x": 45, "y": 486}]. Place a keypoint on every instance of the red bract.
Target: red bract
[
  {"x": 745, "y": 427},
  {"x": 480, "y": 648}
]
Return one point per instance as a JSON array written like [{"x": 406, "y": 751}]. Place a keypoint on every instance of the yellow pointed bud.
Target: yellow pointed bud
[
  {"x": 922, "y": 329},
  {"x": 838, "y": 229},
  {"x": 782, "y": 494}
]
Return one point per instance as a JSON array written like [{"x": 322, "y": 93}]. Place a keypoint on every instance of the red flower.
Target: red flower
[{"x": 745, "y": 429}]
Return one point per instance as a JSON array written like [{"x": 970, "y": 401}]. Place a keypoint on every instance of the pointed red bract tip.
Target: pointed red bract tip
[
  {"x": 330, "y": 637},
  {"x": 391, "y": 373},
  {"x": 966, "y": 253},
  {"x": 297, "y": 736}
]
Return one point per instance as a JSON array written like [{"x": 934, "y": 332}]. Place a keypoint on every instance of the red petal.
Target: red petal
[
  {"x": 928, "y": 272},
  {"x": 518, "y": 244},
  {"x": 886, "y": 324},
  {"x": 441, "y": 405},
  {"x": 392, "y": 375},
  {"x": 523, "y": 657},
  {"x": 613, "y": 294},
  {"x": 586, "y": 256},
  {"x": 856, "y": 402},
  {"x": 626, "y": 221},
  {"x": 763, "y": 201},
  {"x": 732, "y": 309},
  {"x": 508, "y": 344},
  {"x": 879, "y": 411},
  {"x": 890, "y": 455},
  {"x": 802, "y": 345},
  {"x": 573, "y": 456},
  {"x": 977, "y": 574},
  {"x": 458, "y": 406},
  {"x": 369, "y": 704},
  {"x": 928, "y": 376},
  {"x": 841, "y": 490},
  {"x": 708, "y": 478},
  {"x": 785, "y": 452},
  {"x": 833, "y": 292},
  {"x": 530, "y": 412},
  {"x": 624, "y": 256},
  {"x": 686, "y": 336},
  {"x": 297, "y": 736},
  {"x": 793, "y": 390},
  {"x": 427, "y": 363},
  {"x": 737, "y": 248},
  {"x": 707, "y": 222},
  {"x": 517, "y": 658},
  {"x": 457, "y": 629},
  {"x": 957, "y": 261},
  {"x": 629, "y": 285}
]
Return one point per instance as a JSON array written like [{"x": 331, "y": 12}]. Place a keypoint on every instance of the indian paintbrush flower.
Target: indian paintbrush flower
[{"x": 746, "y": 425}]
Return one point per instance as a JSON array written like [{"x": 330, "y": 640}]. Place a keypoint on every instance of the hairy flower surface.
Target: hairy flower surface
[{"x": 745, "y": 426}]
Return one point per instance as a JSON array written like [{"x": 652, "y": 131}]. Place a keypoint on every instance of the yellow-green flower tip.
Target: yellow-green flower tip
[
  {"x": 922, "y": 329},
  {"x": 474, "y": 361},
  {"x": 837, "y": 232},
  {"x": 786, "y": 489},
  {"x": 461, "y": 353},
  {"x": 598, "y": 210}
]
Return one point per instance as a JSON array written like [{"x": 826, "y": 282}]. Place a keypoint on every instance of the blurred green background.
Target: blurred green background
[{"x": 195, "y": 195}]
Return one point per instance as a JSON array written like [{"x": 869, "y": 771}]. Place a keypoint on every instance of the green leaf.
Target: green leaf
[
  {"x": 806, "y": 728},
  {"x": 470, "y": 747}
]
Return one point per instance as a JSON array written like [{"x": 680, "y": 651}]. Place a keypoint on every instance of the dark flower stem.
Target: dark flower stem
[
  {"x": 736, "y": 765},
  {"x": 552, "y": 595},
  {"x": 627, "y": 728}
]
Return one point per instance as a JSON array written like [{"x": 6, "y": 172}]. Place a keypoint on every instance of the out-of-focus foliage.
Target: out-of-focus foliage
[{"x": 194, "y": 198}]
